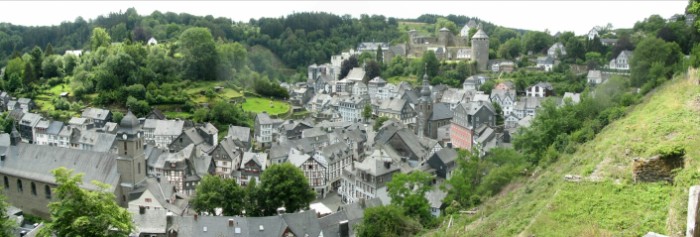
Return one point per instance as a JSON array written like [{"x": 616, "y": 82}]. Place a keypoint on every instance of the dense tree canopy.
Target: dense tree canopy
[
  {"x": 215, "y": 192},
  {"x": 7, "y": 225},
  {"x": 387, "y": 220},
  {"x": 653, "y": 59},
  {"x": 408, "y": 191},
  {"x": 284, "y": 185},
  {"x": 199, "y": 54},
  {"x": 80, "y": 212}
]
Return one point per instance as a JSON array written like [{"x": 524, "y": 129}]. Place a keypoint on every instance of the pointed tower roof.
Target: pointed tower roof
[
  {"x": 425, "y": 91},
  {"x": 480, "y": 34},
  {"x": 129, "y": 123}
]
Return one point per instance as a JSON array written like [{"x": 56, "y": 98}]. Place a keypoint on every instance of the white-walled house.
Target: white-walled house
[{"x": 622, "y": 61}]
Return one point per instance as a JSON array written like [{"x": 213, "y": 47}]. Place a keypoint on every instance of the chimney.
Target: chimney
[
  {"x": 281, "y": 210},
  {"x": 195, "y": 216},
  {"x": 231, "y": 223},
  {"x": 169, "y": 218},
  {"x": 142, "y": 210},
  {"x": 344, "y": 228}
]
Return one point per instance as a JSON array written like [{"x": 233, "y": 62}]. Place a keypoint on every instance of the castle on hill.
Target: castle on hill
[{"x": 448, "y": 46}]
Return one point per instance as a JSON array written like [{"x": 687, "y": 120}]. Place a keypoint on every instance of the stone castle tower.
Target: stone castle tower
[
  {"x": 480, "y": 49},
  {"x": 425, "y": 107},
  {"x": 444, "y": 36},
  {"x": 132, "y": 162}
]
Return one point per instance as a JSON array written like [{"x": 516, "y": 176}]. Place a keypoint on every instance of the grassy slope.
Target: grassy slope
[
  {"x": 546, "y": 205},
  {"x": 257, "y": 105}
]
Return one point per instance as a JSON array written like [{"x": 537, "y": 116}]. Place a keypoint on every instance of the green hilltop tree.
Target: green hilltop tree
[
  {"x": 216, "y": 192},
  {"x": 284, "y": 185},
  {"x": 199, "y": 51},
  {"x": 380, "y": 54},
  {"x": 379, "y": 122},
  {"x": 80, "y": 212},
  {"x": 408, "y": 191},
  {"x": 99, "y": 38},
  {"x": 387, "y": 220},
  {"x": 367, "y": 112},
  {"x": 7, "y": 225},
  {"x": 36, "y": 61},
  {"x": 49, "y": 50}
]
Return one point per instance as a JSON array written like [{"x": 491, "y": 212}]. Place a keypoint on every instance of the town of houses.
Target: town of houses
[{"x": 154, "y": 164}]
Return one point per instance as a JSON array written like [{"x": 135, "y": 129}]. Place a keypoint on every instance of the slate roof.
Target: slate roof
[
  {"x": 377, "y": 80},
  {"x": 208, "y": 128},
  {"x": 608, "y": 41},
  {"x": 313, "y": 132},
  {"x": 575, "y": 97},
  {"x": 77, "y": 121},
  {"x": 30, "y": 119},
  {"x": 447, "y": 155},
  {"x": 627, "y": 53},
  {"x": 100, "y": 166},
  {"x": 410, "y": 96},
  {"x": 441, "y": 111},
  {"x": 156, "y": 114},
  {"x": 263, "y": 118},
  {"x": 194, "y": 136},
  {"x": 101, "y": 142},
  {"x": 229, "y": 146},
  {"x": 525, "y": 121},
  {"x": 95, "y": 113},
  {"x": 485, "y": 136},
  {"x": 330, "y": 224},
  {"x": 303, "y": 223},
  {"x": 393, "y": 105},
  {"x": 111, "y": 127},
  {"x": 164, "y": 127},
  {"x": 177, "y": 157},
  {"x": 480, "y": 34},
  {"x": 27, "y": 100},
  {"x": 502, "y": 94},
  {"x": 545, "y": 60},
  {"x": 356, "y": 74},
  {"x": 153, "y": 221},
  {"x": 278, "y": 150},
  {"x": 215, "y": 226},
  {"x": 471, "y": 23},
  {"x": 152, "y": 153},
  {"x": 452, "y": 96},
  {"x": 242, "y": 133},
  {"x": 526, "y": 103},
  {"x": 374, "y": 164},
  {"x": 594, "y": 75},
  {"x": 259, "y": 158},
  {"x": 435, "y": 197}
]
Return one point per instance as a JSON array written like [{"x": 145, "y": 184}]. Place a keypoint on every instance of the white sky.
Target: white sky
[{"x": 577, "y": 16}]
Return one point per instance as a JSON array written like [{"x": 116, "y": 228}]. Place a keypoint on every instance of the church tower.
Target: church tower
[
  {"x": 480, "y": 49},
  {"x": 425, "y": 107},
  {"x": 131, "y": 164}
]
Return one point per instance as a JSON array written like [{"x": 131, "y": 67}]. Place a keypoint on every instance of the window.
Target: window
[
  {"x": 7, "y": 183},
  {"x": 124, "y": 148},
  {"x": 33, "y": 189},
  {"x": 19, "y": 185},
  {"x": 139, "y": 167},
  {"x": 47, "y": 191},
  {"x": 148, "y": 200}
]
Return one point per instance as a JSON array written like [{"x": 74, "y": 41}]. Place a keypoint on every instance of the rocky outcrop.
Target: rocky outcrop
[{"x": 657, "y": 168}]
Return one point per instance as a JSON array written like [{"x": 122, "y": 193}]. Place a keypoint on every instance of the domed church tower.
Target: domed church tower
[
  {"x": 425, "y": 107},
  {"x": 131, "y": 164}
]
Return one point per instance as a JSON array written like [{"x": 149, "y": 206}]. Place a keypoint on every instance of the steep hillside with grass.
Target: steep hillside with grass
[{"x": 606, "y": 201}]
